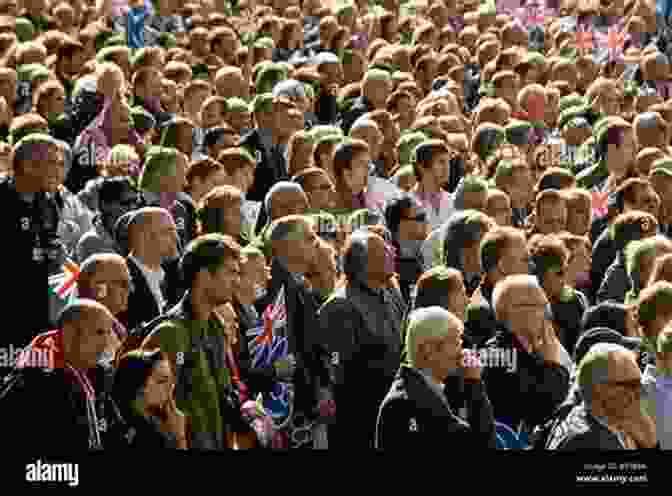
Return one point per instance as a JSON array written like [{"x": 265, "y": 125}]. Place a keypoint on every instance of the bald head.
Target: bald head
[
  {"x": 521, "y": 289},
  {"x": 152, "y": 235},
  {"x": 87, "y": 332},
  {"x": 105, "y": 278}
]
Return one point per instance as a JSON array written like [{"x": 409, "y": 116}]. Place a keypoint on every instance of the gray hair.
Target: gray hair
[
  {"x": 290, "y": 88},
  {"x": 594, "y": 368}
]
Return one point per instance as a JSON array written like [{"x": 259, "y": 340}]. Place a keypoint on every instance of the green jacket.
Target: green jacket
[{"x": 203, "y": 376}]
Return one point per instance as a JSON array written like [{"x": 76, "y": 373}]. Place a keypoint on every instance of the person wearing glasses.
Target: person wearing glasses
[
  {"x": 610, "y": 416},
  {"x": 116, "y": 196}
]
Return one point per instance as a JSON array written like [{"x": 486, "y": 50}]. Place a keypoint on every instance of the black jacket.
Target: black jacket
[
  {"x": 581, "y": 430},
  {"x": 271, "y": 166},
  {"x": 531, "y": 392},
  {"x": 481, "y": 322},
  {"x": 415, "y": 418},
  {"x": 26, "y": 301},
  {"x": 359, "y": 107}
]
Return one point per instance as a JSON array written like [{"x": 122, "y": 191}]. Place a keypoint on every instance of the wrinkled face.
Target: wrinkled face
[
  {"x": 444, "y": 354},
  {"x": 551, "y": 217},
  {"x": 158, "y": 387}
]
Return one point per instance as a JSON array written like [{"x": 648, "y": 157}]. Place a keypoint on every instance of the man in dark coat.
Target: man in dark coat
[
  {"x": 526, "y": 391},
  {"x": 416, "y": 414},
  {"x": 361, "y": 328}
]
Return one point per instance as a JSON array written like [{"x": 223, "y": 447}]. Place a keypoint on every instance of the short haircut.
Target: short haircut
[
  {"x": 92, "y": 264},
  {"x": 632, "y": 226},
  {"x": 576, "y": 196},
  {"x": 547, "y": 252},
  {"x": 210, "y": 208},
  {"x": 288, "y": 228},
  {"x": 345, "y": 153},
  {"x": 494, "y": 243},
  {"x": 503, "y": 289},
  {"x": 209, "y": 252},
  {"x": 74, "y": 311},
  {"x": 654, "y": 301},
  {"x": 234, "y": 159},
  {"x": 435, "y": 284},
  {"x": 593, "y": 369},
  {"x": 428, "y": 323},
  {"x": 143, "y": 75},
  {"x": 304, "y": 176}
]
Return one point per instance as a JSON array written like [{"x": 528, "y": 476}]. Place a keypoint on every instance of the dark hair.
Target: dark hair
[
  {"x": 607, "y": 314},
  {"x": 132, "y": 372},
  {"x": 209, "y": 252},
  {"x": 345, "y": 153},
  {"x": 432, "y": 289},
  {"x": 394, "y": 212},
  {"x": 112, "y": 188}
]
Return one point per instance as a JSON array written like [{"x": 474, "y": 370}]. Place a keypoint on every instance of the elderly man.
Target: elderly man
[
  {"x": 56, "y": 371},
  {"x": 284, "y": 198},
  {"x": 152, "y": 242},
  {"x": 294, "y": 247},
  {"x": 525, "y": 392},
  {"x": 360, "y": 326},
  {"x": 611, "y": 416},
  {"x": 29, "y": 221},
  {"x": 416, "y": 414}
]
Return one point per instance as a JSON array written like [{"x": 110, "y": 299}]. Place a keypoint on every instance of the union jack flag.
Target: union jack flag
[{"x": 64, "y": 284}]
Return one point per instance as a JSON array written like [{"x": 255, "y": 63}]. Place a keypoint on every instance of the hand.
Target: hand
[{"x": 472, "y": 365}]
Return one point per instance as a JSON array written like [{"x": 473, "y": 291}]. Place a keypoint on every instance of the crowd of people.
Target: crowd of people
[{"x": 373, "y": 224}]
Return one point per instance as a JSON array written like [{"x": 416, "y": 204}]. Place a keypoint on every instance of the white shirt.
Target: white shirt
[{"x": 154, "y": 281}]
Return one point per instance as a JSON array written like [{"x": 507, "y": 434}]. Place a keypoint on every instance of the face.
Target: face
[
  {"x": 441, "y": 168},
  {"x": 554, "y": 281},
  {"x": 243, "y": 178},
  {"x": 288, "y": 203},
  {"x": 407, "y": 182},
  {"x": 252, "y": 279},
  {"x": 520, "y": 184},
  {"x": 111, "y": 285},
  {"x": 580, "y": 261},
  {"x": 165, "y": 236},
  {"x": 621, "y": 394},
  {"x": 46, "y": 167},
  {"x": 413, "y": 225},
  {"x": 579, "y": 217},
  {"x": 515, "y": 257},
  {"x": 94, "y": 336},
  {"x": 526, "y": 311},
  {"x": 551, "y": 217},
  {"x": 458, "y": 301},
  {"x": 184, "y": 139},
  {"x": 320, "y": 191},
  {"x": 373, "y": 138},
  {"x": 357, "y": 177},
  {"x": 158, "y": 386},
  {"x": 324, "y": 277},
  {"x": 54, "y": 104},
  {"x": 8, "y": 89},
  {"x": 620, "y": 158},
  {"x": 212, "y": 115},
  {"x": 232, "y": 220},
  {"x": 610, "y": 102},
  {"x": 499, "y": 209},
  {"x": 288, "y": 119},
  {"x": 377, "y": 266},
  {"x": 377, "y": 92},
  {"x": 646, "y": 200},
  {"x": 303, "y": 249},
  {"x": 121, "y": 119},
  {"x": 225, "y": 281},
  {"x": 444, "y": 354}
]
